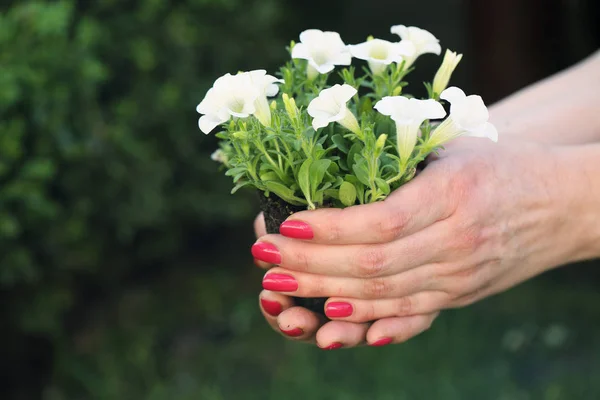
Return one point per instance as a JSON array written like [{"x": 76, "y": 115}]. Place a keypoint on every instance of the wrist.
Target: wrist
[{"x": 578, "y": 186}]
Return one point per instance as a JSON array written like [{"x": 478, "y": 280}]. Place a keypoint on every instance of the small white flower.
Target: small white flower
[
  {"x": 408, "y": 114},
  {"x": 468, "y": 117},
  {"x": 266, "y": 86},
  {"x": 219, "y": 156},
  {"x": 381, "y": 53},
  {"x": 442, "y": 76},
  {"x": 237, "y": 96},
  {"x": 331, "y": 106},
  {"x": 422, "y": 41},
  {"x": 322, "y": 50}
]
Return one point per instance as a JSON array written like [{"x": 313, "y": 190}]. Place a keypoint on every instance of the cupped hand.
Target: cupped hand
[
  {"x": 481, "y": 217},
  {"x": 303, "y": 325}
]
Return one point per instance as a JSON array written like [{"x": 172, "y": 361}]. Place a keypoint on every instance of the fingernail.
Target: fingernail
[
  {"x": 381, "y": 342},
  {"x": 338, "y": 310},
  {"x": 292, "y": 332},
  {"x": 296, "y": 230},
  {"x": 280, "y": 283},
  {"x": 272, "y": 308},
  {"x": 266, "y": 252},
  {"x": 333, "y": 346}
]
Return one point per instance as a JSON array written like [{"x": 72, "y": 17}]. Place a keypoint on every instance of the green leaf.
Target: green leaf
[
  {"x": 235, "y": 171},
  {"x": 355, "y": 149},
  {"x": 239, "y": 186},
  {"x": 347, "y": 194},
  {"x": 283, "y": 191},
  {"x": 383, "y": 186},
  {"x": 269, "y": 176},
  {"x": 317, "y": 173},
  {"x": 340, "y": 143},
  {"x": 361, "y": 172},
  {"x": 304, "y": 178}
]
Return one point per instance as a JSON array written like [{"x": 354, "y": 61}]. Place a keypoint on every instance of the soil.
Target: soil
[{"x": 276, "y": 211}]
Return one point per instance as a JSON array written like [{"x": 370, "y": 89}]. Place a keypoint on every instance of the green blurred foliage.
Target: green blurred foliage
[{"x": 103, "y": 170}]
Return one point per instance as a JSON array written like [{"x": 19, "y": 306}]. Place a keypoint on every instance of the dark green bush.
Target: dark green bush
[{"x": 103, "y": 171}]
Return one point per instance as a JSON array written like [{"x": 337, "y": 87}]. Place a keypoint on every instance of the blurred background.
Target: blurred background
[{"x": 124, "y": 262}]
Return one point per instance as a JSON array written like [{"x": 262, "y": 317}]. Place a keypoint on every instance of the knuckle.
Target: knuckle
[
  {"x": 467, "y": 238},
  {"x": 391, "y": 225},
  {"x": 334, "y": 226},
  {"x": 301, "y": 261},
  {"x": 370, "y": 262},
  {"x": 404, "y": 306},
  {"x": 369, "y": 313},
  {"x": 376, "y": 288}
]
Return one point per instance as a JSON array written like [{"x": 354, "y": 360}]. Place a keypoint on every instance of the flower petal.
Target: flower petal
[
  {"x": 453, "y": 94},
  {"x": 207, "y": 123}
]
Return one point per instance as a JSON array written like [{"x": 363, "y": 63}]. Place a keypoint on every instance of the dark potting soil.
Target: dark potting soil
[{"x": 276, "y": 211}]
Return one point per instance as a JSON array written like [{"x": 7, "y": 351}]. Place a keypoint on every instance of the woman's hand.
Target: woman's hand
[
  {"x": 481, "y": 218},
  {"x": 301, "y": 324}
]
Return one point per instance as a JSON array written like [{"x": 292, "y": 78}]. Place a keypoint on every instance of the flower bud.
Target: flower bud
[
  {"x": 243, "y": 135},
  {"x": 290, "y": 106},
  {"x": 380, "y": 144},
  {"x": 273, "y": 105},
  {"x": 397, "y": 91},
  {"x": 442, "y": 77}
]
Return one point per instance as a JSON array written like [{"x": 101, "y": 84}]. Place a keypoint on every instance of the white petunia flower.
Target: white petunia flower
[
  {"x": 331, "y": 106},
  {"x": 422, "y": 41},
  {"x": 408, "y": 114},
  {"x": 442, "y": 76},
  {"x": 322, "y": 50},
  {"x": 237, "y": 96},
  {"x": 381, "y": 53},
  {"x": 266, "y": 85},
  {"x": 468, "y": 117}
]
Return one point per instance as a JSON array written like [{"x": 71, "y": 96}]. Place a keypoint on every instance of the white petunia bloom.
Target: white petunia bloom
[
  {"x": 237, "y": 96},
  {"x": 408, "y": 114},
  {"x": 381, "y": 53},
  {"x": 468, "y": 117},
  {"x": 322, "y": 50},
  {"x": 422, "y": 41},
  {"x": 331, "y": 106},
  {"x": 442, "y": 76},
  {"x": 266, "y": 85}
]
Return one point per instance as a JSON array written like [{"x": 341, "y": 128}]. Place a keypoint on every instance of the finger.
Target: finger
[
  {"x": 398, "y": 329},
  {"x": 411, "y": 208},
  {"x": 340, "y": 334},
  {"x": 260, "y": 229},
  {"x": 357, "y": 310},
  {"x": 272, "y": 304},
  {"x": 360, "y": 261},
  {"x": 299, "y": 324},
  {"x": 301, "y": 284}
]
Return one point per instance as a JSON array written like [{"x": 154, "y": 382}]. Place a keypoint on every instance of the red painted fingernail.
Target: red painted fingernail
[
  {"x": 333, "y": 346},
  {"x": 292, "y": 332},
  {"x": 280, "y": 283},
  {"x": 381, "y": 342},
  {"x": 338, "y": 310},
  {"x": 272, "y": 308},
  {"x": 296, "y": 230},
  {"x": 266, "y": 252}
]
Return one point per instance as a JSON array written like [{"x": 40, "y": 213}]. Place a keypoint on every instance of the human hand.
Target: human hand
[
  {"x": 303, "y": 325},
  {"x": 480, "y": 218}
]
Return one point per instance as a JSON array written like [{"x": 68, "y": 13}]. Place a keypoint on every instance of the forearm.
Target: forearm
[
  {"x": 578, "y": 186},
  {"x": 562, "y": 109}
]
